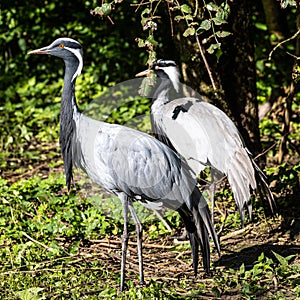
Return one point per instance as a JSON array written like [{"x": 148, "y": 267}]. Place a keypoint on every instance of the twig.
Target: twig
[
  {"x": 138, "y": 5},
  {"x": 146, "y": 245},
  {"x": 196, "y": 9},
  {"x": 179, "y": 242},
  {"x": 223, "y": 223},
  {"x": 171, "y": 21},
  {"x": 206, "y": 64},
  {"x": 233, "y": 234},
  {"x": 110, "y": 19},
  {"x": 162, "y": 219},
  {"x": 265, "y": 151},
  {"x": 29, "y": 172},
  {"x": 181, "y": 254},
  {"x": 292, "y": 55},
  {"x": 279, "y": 44},
  {"x": 37, "y": 242},
  {"x": 286, "y": 124}
]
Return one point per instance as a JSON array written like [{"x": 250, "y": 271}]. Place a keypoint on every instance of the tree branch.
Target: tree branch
[
  {"x": 285, "y": 41},
  {"x": 206, "y": 64}
]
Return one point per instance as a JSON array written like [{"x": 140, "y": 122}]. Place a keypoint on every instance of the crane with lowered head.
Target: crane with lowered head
[
  {"x": 128, "y": 163},
  {"x": 206, "y": 137}
]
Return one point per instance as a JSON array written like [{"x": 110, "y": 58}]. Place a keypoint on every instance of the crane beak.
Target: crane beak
[
  {"x": 39, "y": 51},
  {"x": 143, "y": 73}
]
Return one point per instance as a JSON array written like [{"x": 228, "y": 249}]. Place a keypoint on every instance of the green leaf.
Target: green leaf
[
  {"x": 188, "y": 17},
  {"x": 286, "y": 3},
  {"x": 146, "y": 11},
  {"x": 32, "y": 81},
  {"x": 212, "y": 6},
  {"x": 151, "y": 40},
  {"x": 178, "y": 18},
  {"x": 106, "y": 8},
  {"x": 225, "y": 11},
  {"x": 218, "y": 53},
  {"x": 261, "y": 26},
  {"x": 96, "y": 10},
  {"x": 223, "y": 34},
  {"x": 205, "y": 25},
  {"x": 280, "y": 258},
  {"x": 189, "y": 31},
  {"x": 261, "y": 257},
  {"x": 284, "y": 261},
  {"x": 242, "y": 269},
  {"x": 30, "y": 294},
  {"x": 213, "y": 47},
  {"x": 219, "y": 21},
  {"x": 141, "y": 43},
  {"x": 22, "y": 44},
  {"x": 186, "y": 9}
]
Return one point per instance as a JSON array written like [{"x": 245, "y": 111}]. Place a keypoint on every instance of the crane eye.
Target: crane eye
[{"x": 61, "y": 46}]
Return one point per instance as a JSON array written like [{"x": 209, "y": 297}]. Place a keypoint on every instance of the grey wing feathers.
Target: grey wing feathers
[
  {"x": 208, "y": 137},
  {"x": 133, "y": 162},
  {"x": 264, "y": 190}
]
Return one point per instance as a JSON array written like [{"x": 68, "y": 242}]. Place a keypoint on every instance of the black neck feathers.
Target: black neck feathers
[
  {"x": 67, "y": 123},
  {"x": 162, "y": 92}
]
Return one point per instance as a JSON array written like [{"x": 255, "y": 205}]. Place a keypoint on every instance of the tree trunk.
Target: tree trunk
[
  {"x": 237, "y": 74},
  {"x": 234, "y": 74},
  {"x": 275, "y": 18}
]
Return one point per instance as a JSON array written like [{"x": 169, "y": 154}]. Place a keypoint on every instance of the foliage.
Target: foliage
[
  {"x": 265, "y": 276},
  {"x": 30, "y": 88},
  {"x": 208, "y": 23},
  {"x": 46, "y": 233},
  {"x": 46, "y": 237}
]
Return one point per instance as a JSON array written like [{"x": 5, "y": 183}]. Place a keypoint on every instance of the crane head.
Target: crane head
[
  {"x": 65, "y": 48},
  {"x": 164, "y": 69},
  {"x": 167, "y": 69}
]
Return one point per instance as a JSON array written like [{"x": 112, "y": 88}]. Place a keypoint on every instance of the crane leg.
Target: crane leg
[
  {"x": 139, "y": 232},
  {"x": 212, "y": 191},
  {"x": 125, "y": 236},
  {"x": 215, "y": 177}
]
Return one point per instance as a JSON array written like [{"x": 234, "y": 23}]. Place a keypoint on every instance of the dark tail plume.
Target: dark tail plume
[
  {"x": 197, "y": 220},
  {"x": 264, "y": 191}
]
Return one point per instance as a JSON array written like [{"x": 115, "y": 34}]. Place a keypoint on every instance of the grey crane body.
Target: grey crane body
[
  {"x": 128, "y": 163},
  {"x": 205, "y": 136}
]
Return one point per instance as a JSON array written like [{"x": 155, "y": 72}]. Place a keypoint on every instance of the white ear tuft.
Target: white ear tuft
[
  {"x": 173, "y": 74},
  {"x": 78, "y": 54}
]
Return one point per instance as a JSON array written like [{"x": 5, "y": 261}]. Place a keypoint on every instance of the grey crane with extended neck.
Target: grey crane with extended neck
[{"x": 128, "y": 163}]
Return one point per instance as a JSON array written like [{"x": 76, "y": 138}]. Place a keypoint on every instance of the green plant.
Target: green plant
[{"x": 263, "y": 279}]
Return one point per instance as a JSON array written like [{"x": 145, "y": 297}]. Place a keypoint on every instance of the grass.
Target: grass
[
  {"x": 60, "y": 245},
  {"x": 56, "y": 245}
]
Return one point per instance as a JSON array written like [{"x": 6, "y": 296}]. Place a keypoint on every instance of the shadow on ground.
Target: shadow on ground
[{"x": 249, "y": 255}]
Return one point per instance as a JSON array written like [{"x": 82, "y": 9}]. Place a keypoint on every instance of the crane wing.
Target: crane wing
[
  {"x": 205, "y": 136},
  {"x": 133, "y": 162}
]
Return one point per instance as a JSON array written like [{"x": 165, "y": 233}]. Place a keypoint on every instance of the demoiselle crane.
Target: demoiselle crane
[
  {"x": 205, "y": 136},
  {"x": 128, "y": 163}
]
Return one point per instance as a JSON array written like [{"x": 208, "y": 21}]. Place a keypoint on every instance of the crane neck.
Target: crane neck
[
  {"x": 160, "y": 98},
  {"x": 69, "y": 113},
  {"x": 161, "y": 94},
  {"x": 68, "y": 94}
]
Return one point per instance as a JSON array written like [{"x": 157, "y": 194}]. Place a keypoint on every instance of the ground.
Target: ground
[{"x": 259, "y": 261}]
